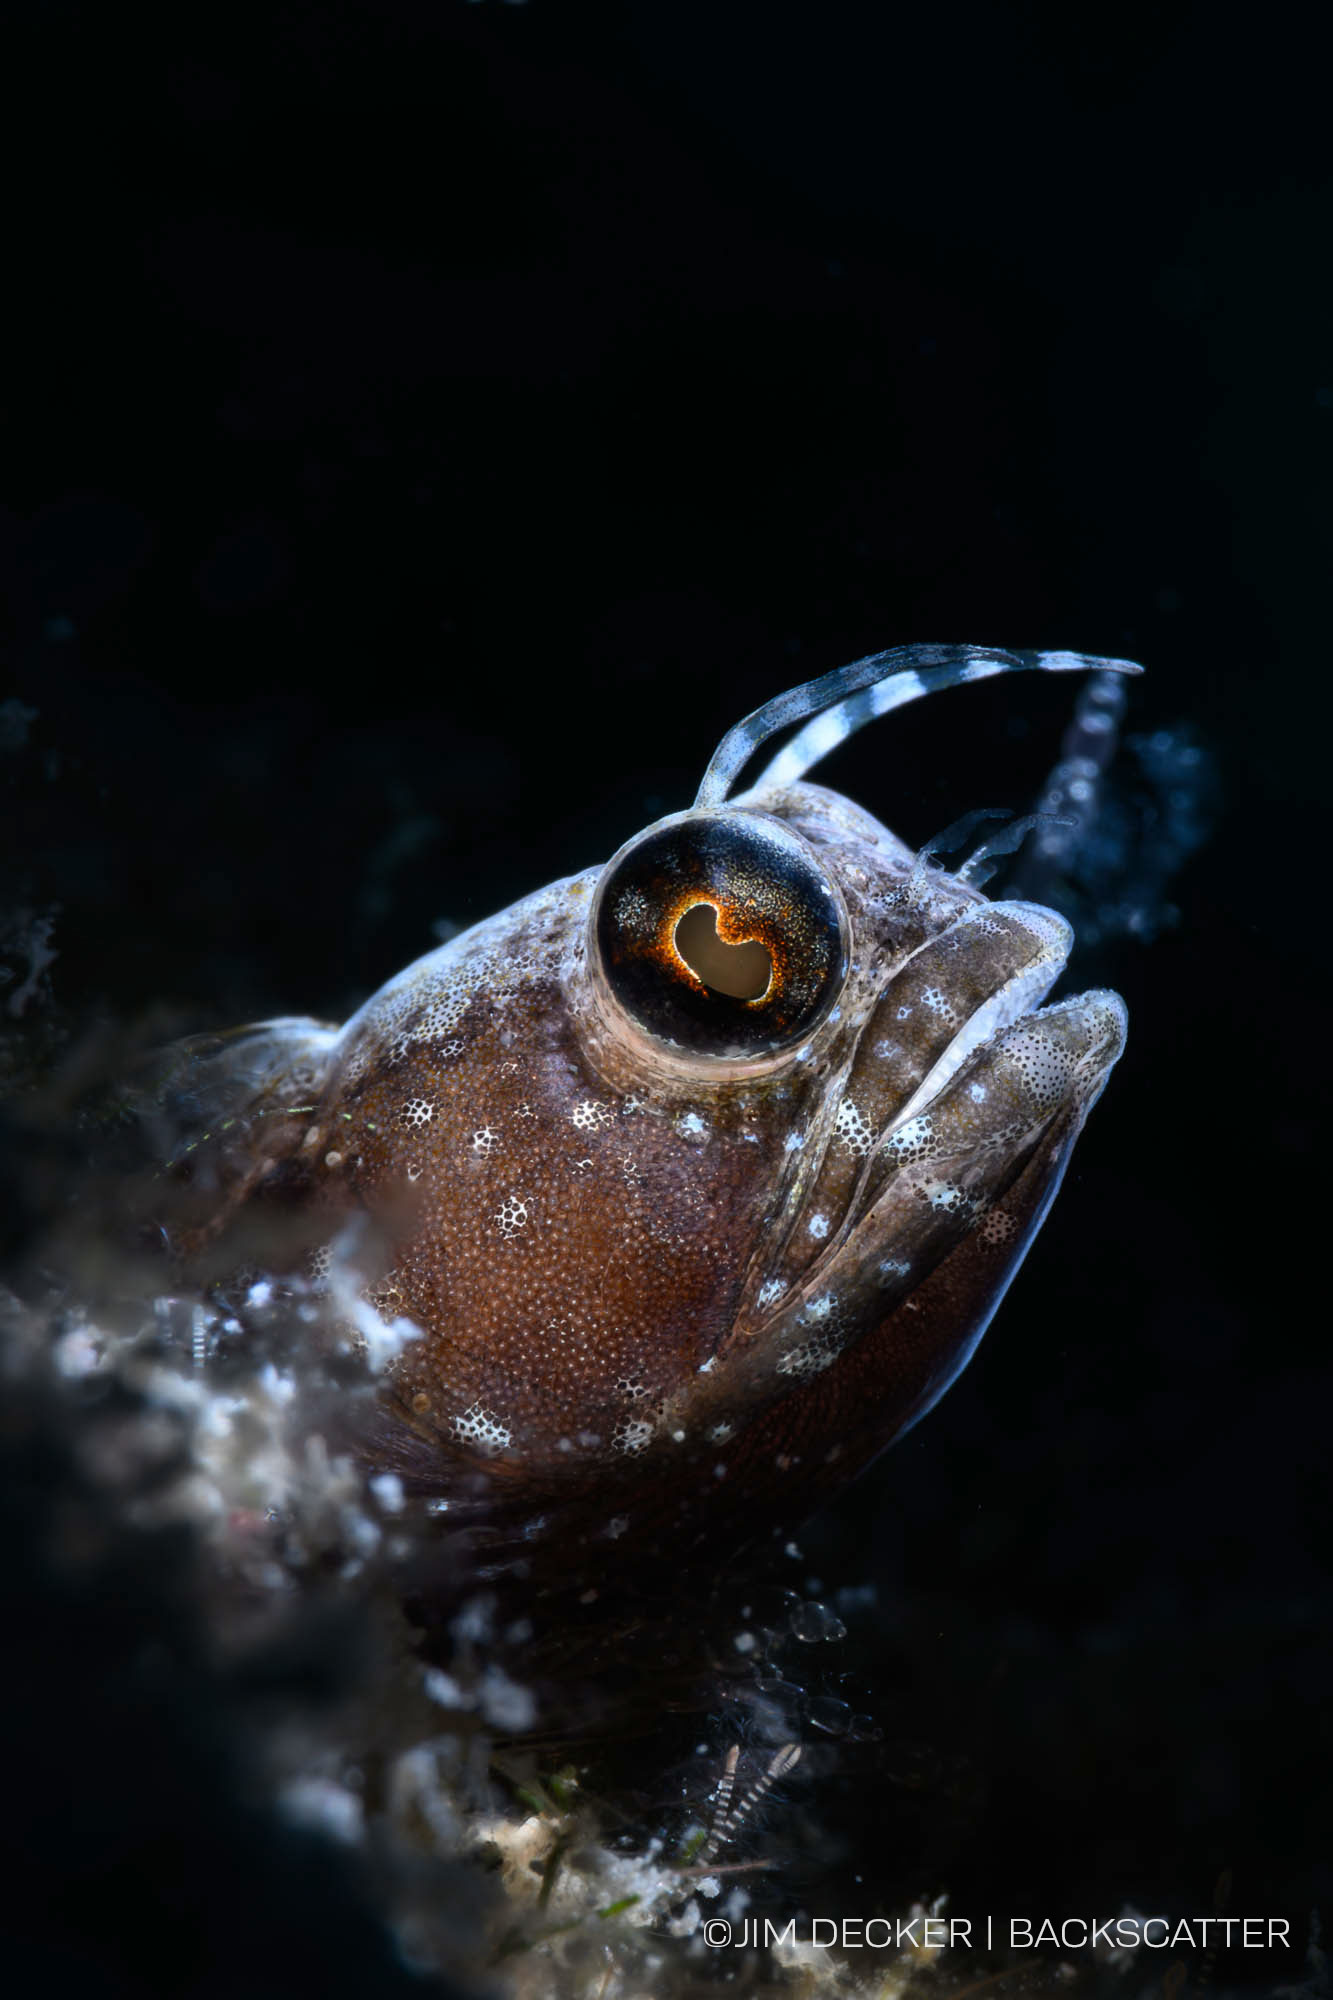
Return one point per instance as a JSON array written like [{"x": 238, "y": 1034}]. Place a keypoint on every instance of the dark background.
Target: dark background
[{"x": 428, "y": 426}]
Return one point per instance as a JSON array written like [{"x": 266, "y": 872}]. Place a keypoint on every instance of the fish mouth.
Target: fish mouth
[{"x": 955, "y": 1075}]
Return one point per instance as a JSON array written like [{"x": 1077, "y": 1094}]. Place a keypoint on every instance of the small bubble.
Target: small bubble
[{"x": 810, "y": 1621}]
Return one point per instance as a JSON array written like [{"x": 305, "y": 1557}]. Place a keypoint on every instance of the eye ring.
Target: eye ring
[{"x": 720, "y": 934}]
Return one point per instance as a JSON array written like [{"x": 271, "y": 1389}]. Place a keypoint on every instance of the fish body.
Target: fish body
[{"x": 689, "y": 1182}]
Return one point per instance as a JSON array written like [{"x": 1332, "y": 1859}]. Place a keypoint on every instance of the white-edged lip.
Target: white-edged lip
[{"x": 1019, "y": 996}]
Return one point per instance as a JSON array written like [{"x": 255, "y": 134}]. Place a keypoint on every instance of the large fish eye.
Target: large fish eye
[{"x": 720, "y": 932}]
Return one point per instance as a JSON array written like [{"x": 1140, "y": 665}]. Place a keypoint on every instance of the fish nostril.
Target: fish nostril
[{"x": 742, "y": 971}]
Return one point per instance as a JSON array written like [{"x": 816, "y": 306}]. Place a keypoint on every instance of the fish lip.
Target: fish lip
[
  {"x": 1019, "y": 998},
  {"x": 1075, "y": 1100},
  {"x": 1111, "y": 1003},
  {"x": 1079, "y": 1093}
]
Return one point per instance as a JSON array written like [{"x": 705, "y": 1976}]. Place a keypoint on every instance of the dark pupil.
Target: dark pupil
[{"x": 742, "y": 971}]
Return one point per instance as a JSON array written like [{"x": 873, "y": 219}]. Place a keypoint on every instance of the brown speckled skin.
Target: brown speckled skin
[{"x": 669, "y": 1301}]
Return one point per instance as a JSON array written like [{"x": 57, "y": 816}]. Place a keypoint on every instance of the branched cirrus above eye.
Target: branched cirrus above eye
[{"x": 720, "y": 933}]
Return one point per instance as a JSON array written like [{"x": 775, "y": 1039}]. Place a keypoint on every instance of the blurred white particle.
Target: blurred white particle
[
  {"x": 504, "y": 1703},
  {"x": 387, "y": 1488},
  {"x": 444, "y": 1689},
  {"x": 79, "y": 1352},
  {"x": 324, "y": 1807}
]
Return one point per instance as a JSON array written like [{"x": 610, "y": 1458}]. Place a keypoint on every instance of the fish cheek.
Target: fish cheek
[{"x": 573, "y": 1260}]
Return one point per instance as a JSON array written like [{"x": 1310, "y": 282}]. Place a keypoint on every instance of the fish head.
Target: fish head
[{"x": 698, "y": 1176}]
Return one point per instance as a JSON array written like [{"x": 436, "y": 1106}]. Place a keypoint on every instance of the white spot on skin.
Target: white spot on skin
[
  {"x": 977, "y": 1092},
  {"x": 793, "y": 1142},
  {"x": 483, "y": 1427},
  {"x": 811, "y": 1358},
  {"x": 589, "y": 1116},
  {"x": 511, "y": 1216},
  {"x": 818, "y": 1226},
  {"x": 912, "y": 1136},
  {"x": 691, "y": 1126},
  {"x": 720, "y": 1433},
  {"x": 853, "y": 1128},
  {"x": 771, "y": 1291},
  {"x": 418, "y": 1111},
  {"x": 486, "y": 1140},
  {"x": 616, "y": 1526},
  {"x": 632, "y": 1436}
]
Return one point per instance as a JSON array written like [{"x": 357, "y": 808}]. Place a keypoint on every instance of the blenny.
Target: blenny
[{"x": 681, "y": 1188}]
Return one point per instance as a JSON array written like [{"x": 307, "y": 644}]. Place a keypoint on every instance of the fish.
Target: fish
[{"x": 669, "y": 1197}]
